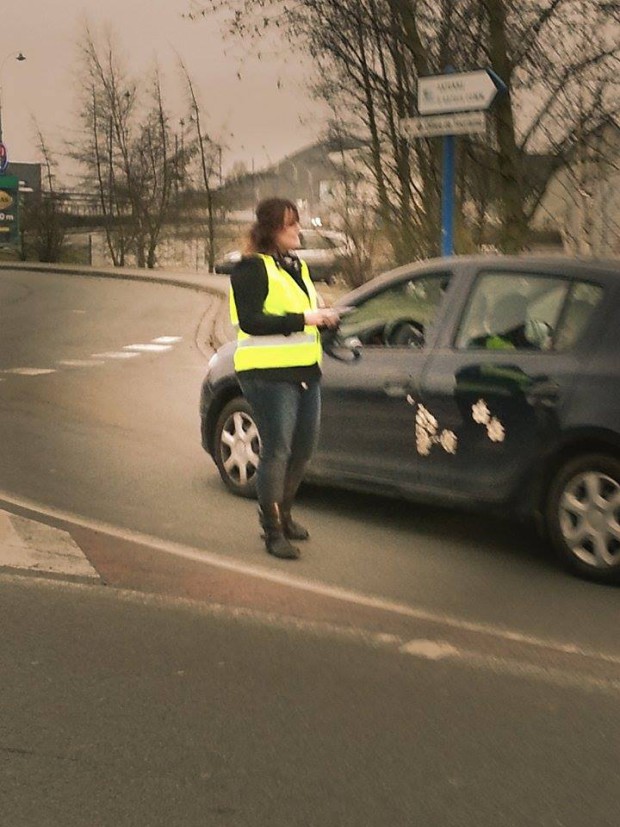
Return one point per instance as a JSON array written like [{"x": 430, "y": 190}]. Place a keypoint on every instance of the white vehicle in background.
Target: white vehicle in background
[{"x": 322, "y": 250}]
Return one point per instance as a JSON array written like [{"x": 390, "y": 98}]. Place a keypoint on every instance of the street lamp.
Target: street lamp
[{"x": 18, "y": 56}]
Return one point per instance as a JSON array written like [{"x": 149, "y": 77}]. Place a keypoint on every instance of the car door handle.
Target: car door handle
[{"x": 545, "y": 394}]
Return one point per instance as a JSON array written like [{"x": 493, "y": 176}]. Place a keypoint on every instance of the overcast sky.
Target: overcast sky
[{"x": 257, "y": 121}]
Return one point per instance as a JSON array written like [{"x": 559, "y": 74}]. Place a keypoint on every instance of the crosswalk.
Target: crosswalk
[
  {"x": 160, "y": 344},
  {"x": 31, "y": 546}
]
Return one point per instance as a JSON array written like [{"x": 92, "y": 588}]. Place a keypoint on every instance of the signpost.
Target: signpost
[{"x": 451, "y": 104}]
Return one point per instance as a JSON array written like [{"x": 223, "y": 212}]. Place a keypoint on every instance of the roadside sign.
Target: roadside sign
[
  {"x": 457, "y": 92},
  {"x": 449, "y": 105},
  {"x": 4, "y": 157},
  {"x": 463, "y": 123},
  {"x": 9, "y": 209}
]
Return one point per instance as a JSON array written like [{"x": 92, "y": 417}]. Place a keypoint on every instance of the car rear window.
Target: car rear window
[
  {"x": 512, "y": 311},
  {"x": 526, "y": 311}
]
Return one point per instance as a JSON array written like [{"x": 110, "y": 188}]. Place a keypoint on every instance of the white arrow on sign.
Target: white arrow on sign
[
  {"x": 458, "y": 92},
  {"x": 463, "y": 123}
]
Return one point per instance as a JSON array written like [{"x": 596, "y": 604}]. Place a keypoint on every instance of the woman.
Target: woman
[{"x": 274, "y": 306}]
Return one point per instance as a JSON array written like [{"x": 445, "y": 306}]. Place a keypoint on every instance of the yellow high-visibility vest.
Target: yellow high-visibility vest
[{"x": 284, "y": 295}]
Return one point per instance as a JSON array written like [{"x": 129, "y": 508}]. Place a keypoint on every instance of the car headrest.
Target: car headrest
[{"x": 508, "y": 312}]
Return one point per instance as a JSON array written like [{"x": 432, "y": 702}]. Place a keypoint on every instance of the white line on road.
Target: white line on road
[
  {"x": 429, "y": 649},
  {"x": 148, "y": 348},
  {"x": 30, "y": 371},
  {"x": 115, "y": 355},
  {"x": 312, "y": 586},
  {"x": 80, "y": 363}
]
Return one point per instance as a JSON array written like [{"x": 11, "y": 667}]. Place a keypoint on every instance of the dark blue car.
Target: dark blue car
[{"x": 486, "y": 382}]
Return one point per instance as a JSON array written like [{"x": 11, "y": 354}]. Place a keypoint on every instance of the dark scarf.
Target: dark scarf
[{"x": 290, "y": 263}]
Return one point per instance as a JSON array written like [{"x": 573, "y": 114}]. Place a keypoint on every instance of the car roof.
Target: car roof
[{"x": 606, "y": 269}]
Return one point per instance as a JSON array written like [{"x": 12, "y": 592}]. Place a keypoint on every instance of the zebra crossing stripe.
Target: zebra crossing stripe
[
  {"x": 148, "y": 348},
  {"x": 80, "y": 363},
  {"x": 115, "y": 355}
]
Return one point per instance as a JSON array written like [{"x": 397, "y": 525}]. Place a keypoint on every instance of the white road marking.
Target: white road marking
[
  {"x": 30, "y": 371},
  {"x": 80, "y": 363},
  {"x": 429, "y": 649},
  {"x": 28, "y": 544},
  {"x": 115, "y": 355},
  {"x": 159, "y": 345},
  {"x": 148, "y": 348},
  {"x": 312, "y": 586}
]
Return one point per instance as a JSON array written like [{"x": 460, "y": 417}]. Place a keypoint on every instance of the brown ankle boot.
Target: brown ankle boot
[
  {"x": 276, "y": 542},
  {"x": 292, "y": 529}
]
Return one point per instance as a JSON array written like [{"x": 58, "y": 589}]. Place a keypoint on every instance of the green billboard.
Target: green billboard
[{"x": 9, "y": 209}]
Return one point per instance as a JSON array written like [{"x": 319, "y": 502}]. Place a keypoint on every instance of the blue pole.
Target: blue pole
[{"x": 447, "y": 197}]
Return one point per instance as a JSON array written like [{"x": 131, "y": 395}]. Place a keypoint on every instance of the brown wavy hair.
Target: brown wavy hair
[{"x": 271, "y": 214}]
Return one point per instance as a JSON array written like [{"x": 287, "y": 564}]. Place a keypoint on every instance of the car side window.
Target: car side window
[
  {"x": 398, "y": 316},
  {"x": 583, "y": 300},
  {"x": 512, "y": 312}
]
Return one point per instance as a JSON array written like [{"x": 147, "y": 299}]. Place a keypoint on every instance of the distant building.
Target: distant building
[
  {"x": 307, "y": 177},
  {"x": 582, "y": 201},
  {"x": 79, "y": 204}
]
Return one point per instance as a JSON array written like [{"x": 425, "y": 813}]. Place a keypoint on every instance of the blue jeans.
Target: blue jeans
[{"x": 287, "y": 416}]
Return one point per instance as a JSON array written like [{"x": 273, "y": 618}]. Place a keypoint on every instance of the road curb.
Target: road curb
[{"x": 206, "y": 283}]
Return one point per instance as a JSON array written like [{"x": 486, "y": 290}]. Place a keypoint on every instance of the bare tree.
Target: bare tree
[
  {"x": 151, "y": 172},
  {"x": 370, "y": 54},
  {"x": 209, "y": 154},
  {"x": 43, "y": 220},
  {"x": 353, "y": 206},
  {"x": 127, "y": 152},
  {"x": 106, "y": 108}
]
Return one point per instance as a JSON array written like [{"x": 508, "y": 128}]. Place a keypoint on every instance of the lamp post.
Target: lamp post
[{"x": 18, "y": 56}]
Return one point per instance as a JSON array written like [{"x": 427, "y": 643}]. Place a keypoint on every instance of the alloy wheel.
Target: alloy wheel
[
  {"x": 239, "y": 448},
  {"x": 589, "y": 518}
]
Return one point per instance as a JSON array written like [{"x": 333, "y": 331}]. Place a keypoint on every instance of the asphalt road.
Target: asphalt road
[
  {"x": 416, "y": 666},
  {"x": 122, "y": 709},
  {"x": 119, "y": 442}
]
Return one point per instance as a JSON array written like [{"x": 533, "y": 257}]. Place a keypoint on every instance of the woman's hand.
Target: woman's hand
[{"x": 323, "y": 317}]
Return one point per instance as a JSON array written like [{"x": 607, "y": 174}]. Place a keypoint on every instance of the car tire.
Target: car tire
[
  {"x": 236, "y": 447},
  {"x": 582, "y": 516}
]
